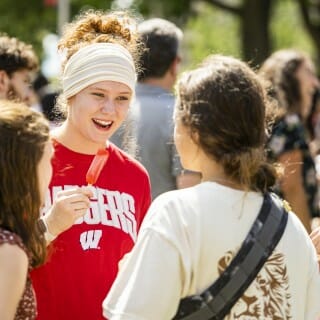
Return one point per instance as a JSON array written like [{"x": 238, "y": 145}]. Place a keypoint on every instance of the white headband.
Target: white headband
[{"x": 98, "y": 62}]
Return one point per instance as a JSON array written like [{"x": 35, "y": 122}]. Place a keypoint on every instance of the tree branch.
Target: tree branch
[
  {"x": 225, "y": 6},
  {"x": 305, "y": 14},
  {"x": 312, "y": 26}
]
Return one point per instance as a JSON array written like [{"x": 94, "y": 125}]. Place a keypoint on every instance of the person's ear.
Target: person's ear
[{"x": 4, "y": 82}]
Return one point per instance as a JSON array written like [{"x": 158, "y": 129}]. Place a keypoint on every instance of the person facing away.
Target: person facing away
[
  {"x": 98, "y": 83},
  {"x": 18, "y": 64},
  {"x": 25, "y": 170},
  {"x": 150, "y": 118},
  {"x": 293, "y": 81},
  {"x": 189, "y": 236}
]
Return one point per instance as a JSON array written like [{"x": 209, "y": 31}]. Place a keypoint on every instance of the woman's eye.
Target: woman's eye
[
  {"x": 98, "y": 94},
  {"x": 122, "y": 98}
]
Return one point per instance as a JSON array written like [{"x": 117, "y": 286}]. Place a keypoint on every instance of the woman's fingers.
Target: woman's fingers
[{"x": 86, "y": 191}]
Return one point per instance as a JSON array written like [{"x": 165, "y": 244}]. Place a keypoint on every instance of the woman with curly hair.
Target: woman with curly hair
[
  {"x": 98, "y": 83},
  {"x": 190, "y": 236}
]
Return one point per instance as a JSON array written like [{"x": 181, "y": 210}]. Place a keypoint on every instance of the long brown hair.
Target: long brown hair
[
  {"x": 23, "y": 135},
  {"x": 280, "y": 70},
  {"x": 224, "y": 103}
]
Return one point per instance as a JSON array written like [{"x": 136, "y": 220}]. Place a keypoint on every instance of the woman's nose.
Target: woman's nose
[{"x": 108, "y": 106}]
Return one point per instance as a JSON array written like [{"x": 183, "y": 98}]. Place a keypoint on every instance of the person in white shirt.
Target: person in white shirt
[{"x": 189, "y": 236}]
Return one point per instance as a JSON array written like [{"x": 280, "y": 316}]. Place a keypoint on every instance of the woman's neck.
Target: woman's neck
[{"x": 214, "y": 172}]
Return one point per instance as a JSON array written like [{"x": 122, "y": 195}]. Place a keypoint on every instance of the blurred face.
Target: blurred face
[
  {"x": 19, "y": 86},
  {"x": 308, "y": 84},
  {"x": 97, "y": 111},
  {"x": 186, "y": 147},
  {"x": 45, "y": 170}
]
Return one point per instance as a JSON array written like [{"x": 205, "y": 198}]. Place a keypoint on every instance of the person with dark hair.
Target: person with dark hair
[
  {"x": 46, "y": 97},
  {"x": 98, "y": 84},
  {"x": 293, "y": 82},
  {"x": 18, "y": 64},
  {"x": 150, "y": 118},
  {"x": 162, "y": 40},
  {"x": 190, "y": 236},
  {"x": 25, "y": 170}
]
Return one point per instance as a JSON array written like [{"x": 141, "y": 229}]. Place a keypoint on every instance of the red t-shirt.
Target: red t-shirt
[{"x": 83, "y": 261}]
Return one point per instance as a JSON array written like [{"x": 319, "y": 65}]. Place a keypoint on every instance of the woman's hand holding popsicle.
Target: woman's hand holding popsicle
[
  {"x": 74, "y": 203},
  {"x": 67, "y": 208}
]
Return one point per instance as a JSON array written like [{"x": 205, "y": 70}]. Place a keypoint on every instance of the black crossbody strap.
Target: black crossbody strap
[{"x": 261, "y": 240}]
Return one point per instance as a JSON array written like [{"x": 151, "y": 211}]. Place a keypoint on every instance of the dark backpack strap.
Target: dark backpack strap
[{"x": 219, "y": 298}]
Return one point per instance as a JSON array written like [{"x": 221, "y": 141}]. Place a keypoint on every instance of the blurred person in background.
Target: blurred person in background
[
  {"x": 18, "y": 65},
  {"x": 293, "y": 82},
  {"x": 151, "y": 115}
]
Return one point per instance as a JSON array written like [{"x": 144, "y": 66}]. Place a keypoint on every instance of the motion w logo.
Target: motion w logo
[{"x": 90, "y": 239}]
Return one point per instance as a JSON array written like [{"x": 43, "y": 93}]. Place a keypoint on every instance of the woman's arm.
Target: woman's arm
[
  {"x": 13, "y": 276},
  {"x": 293, "y": 188}
]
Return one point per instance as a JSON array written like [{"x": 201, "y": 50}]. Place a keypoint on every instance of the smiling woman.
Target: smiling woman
[
  {"x": 98, "y": 83},
  {"x": 99, "y": 111}
]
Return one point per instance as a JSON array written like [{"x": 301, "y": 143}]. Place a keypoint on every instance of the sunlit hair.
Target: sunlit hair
[
  {"x": 223, "y": 105},
  {"x": 23, "y": 135},
  {"x": 118, "y": 27},
  {"x": 16, "y": 55},
  {"x": 89, "y": 27},
  {"x": 280, "y": 70}
]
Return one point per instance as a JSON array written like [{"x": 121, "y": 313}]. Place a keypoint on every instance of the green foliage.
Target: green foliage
[
  {"x": 208, "y": 29},
  {"x": 27, "y": 20},
  {"x": 31, "y": 20},
  {"x": 214, "y": 30},
  {"x": 177, "y": 11},
  {"x": 211, "y": 31},
  {"x": 287, "y": 29}
]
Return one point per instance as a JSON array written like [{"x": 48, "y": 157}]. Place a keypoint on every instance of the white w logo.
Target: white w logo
[{"x": 90, "y": 239}]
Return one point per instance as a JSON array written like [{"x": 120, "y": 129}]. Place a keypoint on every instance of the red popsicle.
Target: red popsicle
[{"x": 96, "y": 166}]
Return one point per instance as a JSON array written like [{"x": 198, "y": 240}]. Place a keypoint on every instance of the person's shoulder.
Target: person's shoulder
[
  {"x": 14, "y": 264},
  {"x": 13, "y": 252},
  {"x": 172, "y": 209},
  {"x": 154, "y": 92},
  {"x": 127, "y": 160},
  {"x": 296, "y": 233},
  {"x": 177, "y": 198},
  {"x": 7, "y": 236},
  {"x": 12, "y": 248}
]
